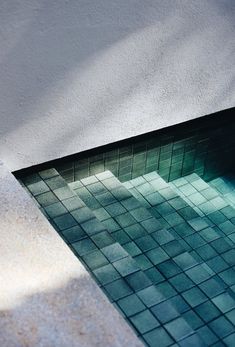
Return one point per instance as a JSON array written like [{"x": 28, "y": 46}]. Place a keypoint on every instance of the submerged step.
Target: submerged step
[
  {"x": 186, "y": 281},
  {"x": 225, "y": 186},
  {"x": 146, "y": 306}
]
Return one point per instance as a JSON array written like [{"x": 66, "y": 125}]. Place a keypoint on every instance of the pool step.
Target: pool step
[
  {"x": 147, "y": 307},
  {"x": 225, "y": 186},
  {"x": 186, "y": 281}
]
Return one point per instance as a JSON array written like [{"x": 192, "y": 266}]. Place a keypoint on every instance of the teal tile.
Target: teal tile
[
  {"x": 82, "y": 214},
  {"x": 193, "y": 319},
  {"x": 150, "y": 296},
  {"x": 195, "y": 241},
  {"x": 146, "y": 243},
  {"x": 181, "y": 282},
  {"x": 221, "y": 327},
  {"x": 151, "y": 225},
  {"x": 207, "y": 311},
  {"x": 65, "y": 221},
  {"x": 206, "y": 252},
  {"x": 49, "y": 173},
  {"x": 102, "y": 239},
  {"x": 217, "y": 264},
  {"x": 224, "y": 302},
  {"x": 164, "y": 209},
  {"x": 92, "y": 226},
  {"x": 157, "y": 256},
  {"x": 131, "y": 305},
  {"x": 135, "y": 231},
  {"x": 95, "y": 260},
  {"x": 130, "y": 203},
  {"x": 184, "y": 229},
  {"x": 106, "y": 273},
  {"x": 227, "y": 227},
  {"x": 114, "y": 252},
  {"x": 231, "y": 316},
  {"x": 140, "y": 214},
  {"x": 73, "y": 203},
  {"x": 118, "y": 289},
  {"x": 111, "y": 225},
  {"x": 84, "y": 247},
  {"x": 220, "y": 245},
  {"x": 46, "y": 199},
  {"x": 188, "y": 213},
  {"x": 144, "y": 321},
  {"x": 126, "y": 266},
  {"x": 185, "y": 261},
  {"x": 125, "y": 220},
  {"x": 179, "y": 328},
  {"x": 132, "y": 249},
  {"x": 96, "y": 188},
  {"x": 55, "y": 210},
  {"x": 106, "y": 199},
  {"x": 169, "y": 268},
  {"x": 74, "y": 234},
  {"x": 194, "y": 296},
  {"x": 165, "y": 312},
  {"x": 207, "y": 335},
  {"x": 193, "y": 341},
  {"x": 173, "y": 248},
  {"x": 32, "y": 178},
  {"x": 138, "y": 280},
  {"x": 177, "y": 203},
  {"x": 228, "y": 276},
  {"x": 211, "y": 287},
  {"x": 198, "y": 274},
  {"x": 179, "y": 303},
  {"x": 167, "y": 193},
  {"x": 158, "y": 334},
  {"x": 217, "y": 217},
  {"x": 115, "y": 209},
  {"x": 229, "y": 257},
  {"x": 64, "y": 193},
  {"x": 121, "y": 193},
  {"x": 174, "y": 219},
  {"x": 101, "y": 214},
  {"x": 121, "y": 237},
  {"x": 229, "y": 340},
  {"x": 38, "y": 188},
  {"x": 198, "y": 224},
  {"x": 154, "y": 199},
  {"x": 154, "y": 275},
  {"x": 209, "y": 234},
  {"x": 166, "y": 289},
  {"x": 143, "y": 262}
]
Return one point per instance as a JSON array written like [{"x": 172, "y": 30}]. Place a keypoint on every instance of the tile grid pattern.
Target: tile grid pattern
[
  {"x": 173, "y": 152},
  {"x": 133, "y": 293},
  {"x": 173, "y": 212},
  {"x": 172, "y": 279},
  {"x": 225, "y": 186}
]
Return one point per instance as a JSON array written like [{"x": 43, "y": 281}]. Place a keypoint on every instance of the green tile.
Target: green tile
[
  {"x": 158, "y": 334},
  {"x": 106, "y": 273},
  {"x": 188, "y": 213},
  {"x": 207, "y": 311},
  {"x": 207, "y": 335},
  {"x": 217, "y": 217},
  {"x": 138, "y": 280},
  {"x": 163, "y": 237},
  {"x": 126, "y": 266},
  {"x": 121, "y": 193},
  {"x": 132, "y": 249},
  {"x": 198, "y": 224},
  {"x": 96, "y": 188},
  {"x": 194, "y": 296},
  {"x": 211, "y": 287},
  {"x": 165, "y": 208},
  {"x": 84, "y": 247},
  {"x": 185, "y": 261},
  {"x": 165, "y": 312},
  {"x": 65, "y": 221},
  {"x": 228, "y": 276},
  {"x": 73, "y": 203},
  {"x": 173, "y": 248},
  {"x": 131, "y": 305},
  {"x": 193, "y": 319},
  {"x": 209, "y": 234},
  {"x": 229, "y": 340},
  {"x": 229, "y": 257},
  {"x": 231, "y": 316},
  {"x": 106, "y": 199},
  {"x": 184, "y": 229},
  {"x": 150, "y": 296},
  {"x": 193, "y": 341},
  {"x": 224, "y": 302},
  {"x": 130, "y": 203},
  {"x": 227, "y": 227},
  {"x": 206, "y": 252},
  {"x": 195, "y": 240},
  {"x": 118, "y": 289},
  {"x": 121, "y": 237},
  {"x": 101, "y": 214},
  {"x": 95, "y": 260},
  {"x": 111, "y": 225},
  {"x": 154, "y": 199},
  {"x": 102, "y": 239},
  {"x": 179, "y": 328},
  {"x": 174, "y": 219},
  {"x": 179, "y": 303},
  {"x": 166, "y": 289},
  {"x": 157, "y": 255},
  {"x": 114, "y": 252},
  {"x": 151, "y": 225},
  {"x": 144, "y": 321}
]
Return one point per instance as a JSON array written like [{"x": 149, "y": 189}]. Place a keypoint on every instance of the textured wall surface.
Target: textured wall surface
[
  {"x": 47, "y": 298},
  {"x": 79, "y": 74}
]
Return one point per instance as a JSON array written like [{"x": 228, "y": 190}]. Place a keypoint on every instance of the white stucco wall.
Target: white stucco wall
[{"x": 76, "y": 74}]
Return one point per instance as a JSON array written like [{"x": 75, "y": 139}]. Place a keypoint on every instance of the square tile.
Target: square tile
[
  {"x": 145, "y": 243},
  {"x": 138, "y": 280},
  {"x": 92, "y": 226},
  {"x": 157, "y": 255},
  {"x": 221, "y": 327},
  {"x": 102, "y": 239},
  {"x": 144, "y": 321},
  {"x": 194, "y": 296},
  {"x": 154, "y": 275},
  {"x": 84, "y": 247},
  {"x": 207, "y": 311},
  {"x": 150, "y": 296},
  {"x": 181, "y": 282},
  {"x": 158, "y": 334},
  {"x": 143, "y": 262},
  {"x": 179, "y": 328},
  {"x": 125, "y": 220},
  {"x": 114, "y": 252},
  {"x": 126, "y": 266},
  {"x": 74, "y": 234},
  {"x": 131, "y": 305},
  {"x": 224, "y": 302},
  {"x": 55, "y": 210},
  {"x": 95, "y": 260},
  {"x": 198, "y": 274},
  {"x": 169, "y": 268},
  {"x": 131, "y": 248},
  {"x": 165, "y": 312},
  {"x": 82, "y": 214},
  {"x": 106, "y": 274},
  {"x": 65, "y": 221},
  {"x": 118, "y": 289},
  {"x": 185, "y": 261}
]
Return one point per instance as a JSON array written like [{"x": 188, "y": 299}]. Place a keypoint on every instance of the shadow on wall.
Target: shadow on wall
[
  {"x": 71, "y": 315},
  {"x": 89, "y": 60}
]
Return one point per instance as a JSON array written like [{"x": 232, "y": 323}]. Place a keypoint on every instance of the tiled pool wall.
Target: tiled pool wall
[{"x": 205, "y": 146}]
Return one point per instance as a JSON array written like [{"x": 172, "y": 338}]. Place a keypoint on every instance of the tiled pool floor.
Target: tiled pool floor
[{"x": 163, "y": 253}]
